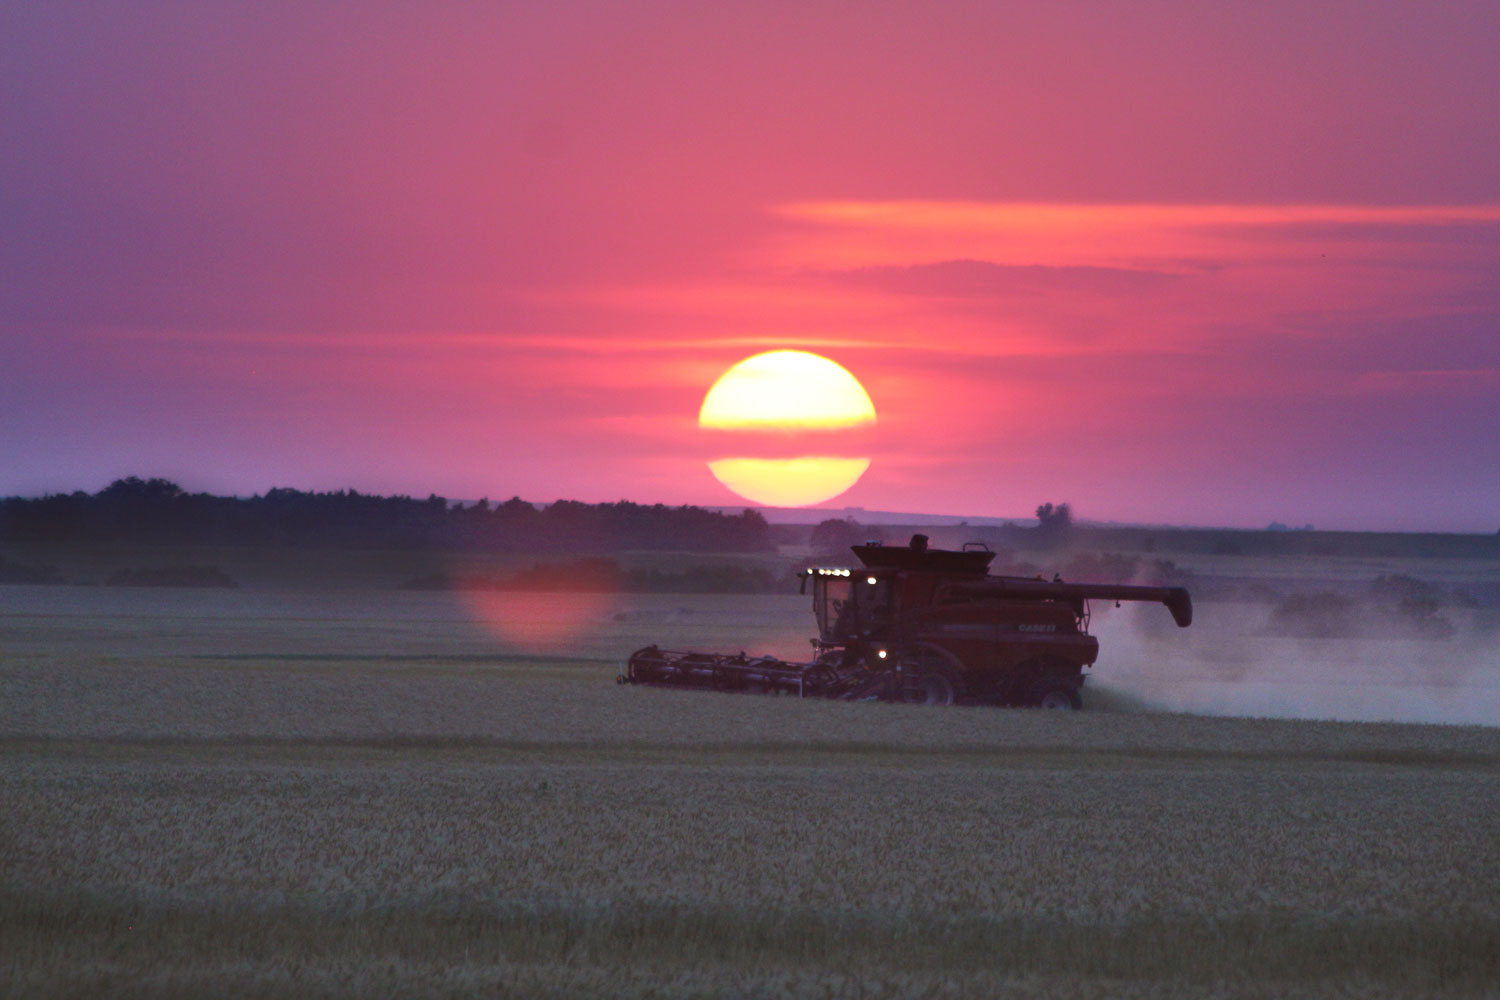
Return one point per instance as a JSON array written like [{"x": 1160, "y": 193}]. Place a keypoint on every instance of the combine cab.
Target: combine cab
[{"x": 927, "y": 626}]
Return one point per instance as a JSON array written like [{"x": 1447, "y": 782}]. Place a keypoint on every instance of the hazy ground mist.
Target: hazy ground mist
[{"x": 1231, "y": 663}]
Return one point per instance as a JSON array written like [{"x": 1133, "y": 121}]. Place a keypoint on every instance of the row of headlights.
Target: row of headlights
[{"x": 840, "y": 572}]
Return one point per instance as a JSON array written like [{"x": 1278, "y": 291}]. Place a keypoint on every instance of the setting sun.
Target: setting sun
[
  {"x": 798, "y": 398},
  {"x": 785, "y": 390}
]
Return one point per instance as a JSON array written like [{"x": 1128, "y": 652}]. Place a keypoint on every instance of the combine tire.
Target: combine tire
[
  {"x": 1055, "y": 694},
  {"x": 931, "y": 677},
  {"x": 933, "y": 688}
]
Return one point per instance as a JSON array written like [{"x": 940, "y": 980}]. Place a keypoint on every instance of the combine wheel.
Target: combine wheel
[
  {"x": 931, "y": 677},
  {"x": 1055, "y": 693},
  {"x": 933, "y": 688}
]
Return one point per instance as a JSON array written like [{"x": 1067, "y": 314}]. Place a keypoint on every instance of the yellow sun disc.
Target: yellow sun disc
[
  {"x": 786, "y": 390},
  {"x": 795, "y": 403},
  {"x": 789, "y": 482}
]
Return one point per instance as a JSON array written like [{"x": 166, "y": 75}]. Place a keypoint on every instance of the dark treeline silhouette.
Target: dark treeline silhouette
[
  {"x": 1054, "y": 524},
  {"x": 160, "y": 511}
]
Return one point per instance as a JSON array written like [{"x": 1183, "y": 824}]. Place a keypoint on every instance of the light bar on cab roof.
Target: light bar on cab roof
[{"x": 822, "y": 571}]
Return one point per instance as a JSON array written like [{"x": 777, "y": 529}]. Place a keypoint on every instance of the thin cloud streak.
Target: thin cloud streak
[
  {"x": 1158, "y": 237},
  {"x": 1007, "y": 216}
]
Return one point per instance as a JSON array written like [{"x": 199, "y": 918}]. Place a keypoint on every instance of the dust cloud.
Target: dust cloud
[{"x": 1231, "y": 662}]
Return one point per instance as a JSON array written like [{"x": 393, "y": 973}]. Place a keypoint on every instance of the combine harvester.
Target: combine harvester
[{"x": 925, "y": 626}]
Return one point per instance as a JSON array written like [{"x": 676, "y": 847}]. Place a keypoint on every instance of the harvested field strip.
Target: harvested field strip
[
  {"x": 470, "y": 750},
  {"x": 200, "y": 619},
  {"x": 49, "y": 934},
  {"x": 362, "y": 659}
]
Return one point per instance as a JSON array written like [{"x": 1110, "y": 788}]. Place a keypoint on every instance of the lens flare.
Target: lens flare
[{"x": 536, "y": 620}]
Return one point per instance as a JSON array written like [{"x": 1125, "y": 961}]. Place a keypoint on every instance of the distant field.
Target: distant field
[
  {"x": 278, "y": 567},
  {"x": 264, "y": 792},
  {"x": 1449, "y": 561}
]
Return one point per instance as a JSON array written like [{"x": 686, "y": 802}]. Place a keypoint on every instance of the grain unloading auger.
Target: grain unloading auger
[{"x": 924, "y": 625}]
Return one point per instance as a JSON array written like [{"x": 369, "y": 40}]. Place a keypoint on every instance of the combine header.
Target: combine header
[{"x": 927, "y": 626}]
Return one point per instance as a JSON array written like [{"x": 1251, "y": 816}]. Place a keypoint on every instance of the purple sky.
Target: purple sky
[{"x": 1215, "y": 264}]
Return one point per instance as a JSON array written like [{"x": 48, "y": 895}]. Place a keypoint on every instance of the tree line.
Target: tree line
[{"x": 158, "y": 511}]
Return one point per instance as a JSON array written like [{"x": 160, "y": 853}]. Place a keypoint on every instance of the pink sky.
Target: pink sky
[{"x": 1167, "y": 262}]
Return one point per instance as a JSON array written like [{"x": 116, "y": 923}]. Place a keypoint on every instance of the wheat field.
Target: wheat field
[{"x": 271, "y": 794}]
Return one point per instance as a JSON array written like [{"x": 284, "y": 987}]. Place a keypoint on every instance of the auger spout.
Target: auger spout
[{"x": 1178, "y": 601}]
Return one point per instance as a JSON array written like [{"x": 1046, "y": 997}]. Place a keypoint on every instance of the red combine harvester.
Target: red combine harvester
[{"x": 926, "y": 626}]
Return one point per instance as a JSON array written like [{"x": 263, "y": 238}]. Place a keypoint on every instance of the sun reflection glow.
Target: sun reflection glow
[
  {"x": 789, "y": 482},
  {"x": 538, "y": 621}
]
